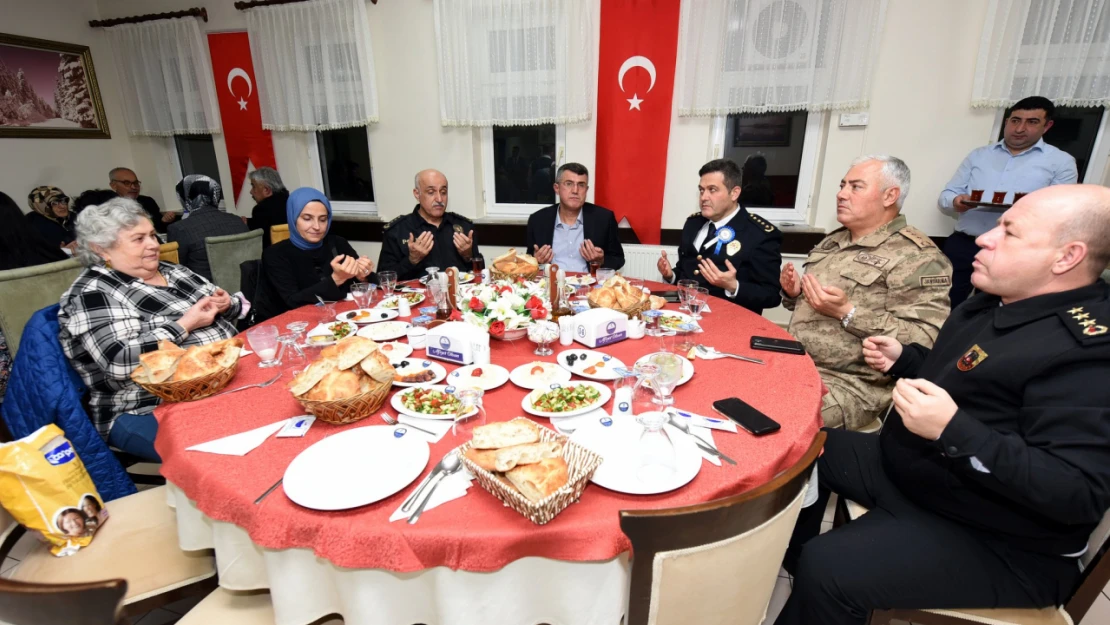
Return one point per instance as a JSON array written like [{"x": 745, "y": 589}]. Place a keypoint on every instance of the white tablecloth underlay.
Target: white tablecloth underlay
[{"x": 305, "y": 587}]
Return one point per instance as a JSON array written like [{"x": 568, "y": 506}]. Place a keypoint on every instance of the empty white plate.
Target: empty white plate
[
  {"x": 489, "y": 376},
  {"x": 378, "y": 460},
  {"x": 414, "y": 366},
  {"x": 385, "y": 331},
  {"x": 539, "y": 375},
  {"x": 527, "y": 403},
  {"x": 617, "y": 441}
]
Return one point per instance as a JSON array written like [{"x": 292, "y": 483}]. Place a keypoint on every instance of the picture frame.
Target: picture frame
[
  {"x": 762, "y": 130},
  {"x": 50, "y": 90}
]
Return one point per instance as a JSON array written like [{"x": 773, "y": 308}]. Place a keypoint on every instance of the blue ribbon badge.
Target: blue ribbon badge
[{"x": 724, "y": 235}]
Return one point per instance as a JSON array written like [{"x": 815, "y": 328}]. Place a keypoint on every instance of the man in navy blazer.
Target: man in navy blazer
[{"x": 574, "y": 232}]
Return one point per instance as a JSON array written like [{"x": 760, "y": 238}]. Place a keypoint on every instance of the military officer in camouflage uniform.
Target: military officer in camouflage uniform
[
  {"x": 733, "y": 253},
  {"x": 875, "y": 276},
  {"x": 429, "y": 236}
]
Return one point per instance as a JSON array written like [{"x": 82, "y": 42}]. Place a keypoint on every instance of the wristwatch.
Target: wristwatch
[{"x": 846, "y": 319}]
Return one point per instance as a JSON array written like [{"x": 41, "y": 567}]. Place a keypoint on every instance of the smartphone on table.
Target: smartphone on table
[{"x": 746, "y": 416}]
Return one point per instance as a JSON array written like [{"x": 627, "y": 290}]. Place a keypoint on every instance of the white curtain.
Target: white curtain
[
  {"x": 314, "y": 65},
  {"x": 165, "y": 77},
  {"x": 1059, "y": 49},
  {"x": 758, "y": 56},
  {"x": 515, "y": 62}
]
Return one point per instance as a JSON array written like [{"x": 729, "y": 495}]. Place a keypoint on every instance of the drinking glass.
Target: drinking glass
[
  {"x": 298, "y": 329},
  {"x": 670, "y": 372},
  {"x": 361, "y": 293},
  {"x": 683, "y": 339},
  {"x": 656, "y": 456},
  {"x": 543, "y": 333},
  {"x": 327, "y": 312},
  {"x": 594, "y": 266},
  {"x": 698, "y": 297},
  {"x": 388, "y": 280},
  {"x": 469, "y": 398},
  {"x": 264, "y": 342},
  {"x": 291, "y": 356},
  {"x": 478, "y": 267},
  {"x": 604, "y": 274},
  {"x": 432, "y": 273},
  {"x": 684, "y": 287},
  {"x": 651, "y": 322}
]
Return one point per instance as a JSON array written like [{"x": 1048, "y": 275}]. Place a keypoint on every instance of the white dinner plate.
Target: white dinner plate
[
  {"x": 687, "y": 367},
  {"x": 581, "y": 280},
  {"x": 464, "y": 277},
  {"x": 391, "y": 301},
  {"x": 385, "y": 331},
  {"x": 538, "y": 375},
  {"x": 398, "y": 404},
  {"x": 526, "y": 403},
  {"x": 324, "y": 330},
  {"x": 602, "y": 364},
  {"x": 408, "y": 366},
  {"x": 388, "y": 462},
  {"x": 395, "y": 351},
  {"x": 490, "y": 376},
  {"x": 617, "y": 440},
  {"x": 363, "y": 316},
  {"x": 671, "y": 319}
]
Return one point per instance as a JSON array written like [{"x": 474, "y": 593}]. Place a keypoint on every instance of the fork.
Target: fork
[
  {"x": 259, "y": 385},
  {"x": 388, "y": 418},
  {"x": 702, "y": 349}
]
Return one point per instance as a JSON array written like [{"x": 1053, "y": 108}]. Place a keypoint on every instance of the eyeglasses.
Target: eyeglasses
[{"x": 129, "y": 183}]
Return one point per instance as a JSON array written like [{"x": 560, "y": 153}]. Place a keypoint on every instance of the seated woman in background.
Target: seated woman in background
[
  {"x": 20, "y": 246},
  {"x": 203, "y": 217},
  {"x": 311, "y": 262},
  {"x": 50, "y": 216},
  {"x": 121, "y": 306}
]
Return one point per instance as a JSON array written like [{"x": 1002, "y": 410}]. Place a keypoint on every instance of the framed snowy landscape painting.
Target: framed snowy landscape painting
[{"x": 48, "y": 89}]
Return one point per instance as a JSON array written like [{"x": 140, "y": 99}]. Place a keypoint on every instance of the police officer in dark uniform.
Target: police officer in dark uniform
[
  {"x": 728, "y": 250},
  {"x": 993, "y": 468},
  {"x": 429, "y": 236}
]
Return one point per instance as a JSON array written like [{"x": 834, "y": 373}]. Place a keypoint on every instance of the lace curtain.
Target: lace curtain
[
  {"x": 758, "y": 56},
  {"x": 1059, "y": 49},
  {"x": 515, "y": 62},
  {"x": 165, "y": 78},
  {"x": 314, "y": 65}
]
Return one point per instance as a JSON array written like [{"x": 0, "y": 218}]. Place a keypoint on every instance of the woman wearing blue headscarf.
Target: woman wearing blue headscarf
[{"x": 311, "y": 262}]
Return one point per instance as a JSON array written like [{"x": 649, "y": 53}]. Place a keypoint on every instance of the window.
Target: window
[
  {"x": 346, "y": 171},
  {"x": 196, "y": 155},
  {"x": 519, "y": 164},
  {"x": 777, "y": 153},
  {"x": 1077, "y": 131}
]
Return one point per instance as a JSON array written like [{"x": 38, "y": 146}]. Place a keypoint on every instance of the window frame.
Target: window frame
[
  {"x": 342, "y": 208},
  {"x": 1100, "y": 149},
  {"x": 514, "y": 210},
  {"x": 812, "y": 148},
  {"x": 175, "y": 162}
]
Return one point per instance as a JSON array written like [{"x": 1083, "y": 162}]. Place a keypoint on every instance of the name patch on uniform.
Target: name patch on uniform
[
  {"x": 871, "y": 259},
  {"x": 971, "y": 359},
  {"x": 936, "y": 281},
  {"x": 733, "y": 248}
]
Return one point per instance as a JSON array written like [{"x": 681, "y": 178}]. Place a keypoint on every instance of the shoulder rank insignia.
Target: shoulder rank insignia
[
  {"x": 1083, "y": 325},
  {"x": 919, "y": 238},
  {"x": 971, "y": 359},
  {"x": 393, "y": 222},
  {"x": 767, "y": 227}
]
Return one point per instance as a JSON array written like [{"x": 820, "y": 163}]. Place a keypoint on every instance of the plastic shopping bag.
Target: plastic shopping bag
[{"x": 45, "y": 486}]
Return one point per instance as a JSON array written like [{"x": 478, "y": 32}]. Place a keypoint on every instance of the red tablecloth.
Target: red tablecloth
[{"x": 477, "y": 533}]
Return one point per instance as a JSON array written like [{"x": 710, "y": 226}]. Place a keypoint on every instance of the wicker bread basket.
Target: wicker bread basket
[
  {"x": 348, "y": 409},
  {"x": 500, "y": 275},
  {"x": 632, "y": 311},
  {"x": 190, "y": 390},
  {"x": 581, "y": 464}
]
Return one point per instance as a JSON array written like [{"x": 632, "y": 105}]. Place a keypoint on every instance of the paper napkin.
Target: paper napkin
[
  {"x": 450, "y": 488},
  {"x": 573, "y": 423},
  {"x": 706, "y": 435},
  {"x": 244, "y": 352},
  {"x": 438, "y": 426},
  {"x": 694, "y": 419},
  {"x": 239, "y": 444}
]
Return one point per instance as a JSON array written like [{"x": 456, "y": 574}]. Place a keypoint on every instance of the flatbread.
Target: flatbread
[
  {"x": 353, "y": 349},
  {"x": 305, "y": 380},
  {"x": 335, "y": 384},
  {"x": 377, "y": 366}
]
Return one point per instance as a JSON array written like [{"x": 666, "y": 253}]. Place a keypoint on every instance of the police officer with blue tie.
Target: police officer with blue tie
[{"x": 733, "y": 253}]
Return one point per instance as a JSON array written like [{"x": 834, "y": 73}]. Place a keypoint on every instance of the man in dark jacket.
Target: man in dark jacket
[
  {"x": 993, "y": 467},
  {"x": 125, "y": 183},
  {"x": 574, "y": 233},
  {"x": 270, "y": 194},
  {"x": 429, "y": 236}
]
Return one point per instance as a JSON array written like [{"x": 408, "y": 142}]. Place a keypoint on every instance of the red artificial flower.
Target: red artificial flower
[
  {"x": 533, "y": 302},
  {"x": 501, "y": 290},
  {"x": 476, "y": 305},
  {"x": 497, "y": 328},
  {"x": 539, "y": 312},
  {"x": 455, "y": 315}
]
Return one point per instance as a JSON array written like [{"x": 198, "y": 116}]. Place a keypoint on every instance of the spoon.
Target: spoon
[
  {"x": 450, "y": 464},
  {"x": 685, "y": 429}
]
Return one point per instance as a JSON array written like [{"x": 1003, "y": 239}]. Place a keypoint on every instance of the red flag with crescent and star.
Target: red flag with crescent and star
[
  {"x": 237, "y": 94},
  {"x": 635, "y": 84}
]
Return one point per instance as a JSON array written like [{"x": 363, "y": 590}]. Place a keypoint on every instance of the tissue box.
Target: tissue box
[
  {"x": 600, "y": 326},
  {"x": 453, "y": 341}
]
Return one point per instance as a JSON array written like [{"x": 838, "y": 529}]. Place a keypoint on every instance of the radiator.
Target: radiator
[{"x": 640, "y": 260}]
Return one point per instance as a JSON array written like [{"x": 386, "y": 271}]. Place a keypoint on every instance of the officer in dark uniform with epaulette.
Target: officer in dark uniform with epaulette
[
  {"x": 733, "y": 253},
  {"x": 429, "y": 236},
  {"x": 993, "y": 468}
]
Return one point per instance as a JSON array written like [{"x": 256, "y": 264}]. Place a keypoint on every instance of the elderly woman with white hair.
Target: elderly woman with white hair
[{"x": 121, "y": 306}]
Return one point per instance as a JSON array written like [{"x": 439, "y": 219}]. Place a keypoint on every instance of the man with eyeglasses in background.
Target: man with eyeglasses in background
[
  {"x": 124, "y": 182},
  {"x": 573, "y": 232}
]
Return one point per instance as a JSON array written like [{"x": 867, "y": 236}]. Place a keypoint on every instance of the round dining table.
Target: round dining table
[{"x": 472, "y": 559}]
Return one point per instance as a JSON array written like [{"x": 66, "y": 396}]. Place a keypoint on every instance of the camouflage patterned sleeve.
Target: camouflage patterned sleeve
[
  {"x": 916, "y": 301},
  {"x": 789, "y": 302}
]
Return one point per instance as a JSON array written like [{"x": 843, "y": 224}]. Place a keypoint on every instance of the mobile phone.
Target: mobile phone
[
  {"x": 747, "y": 417},
  {"x": 785, "y": 346},
  {"x": 671, "y": 296}
]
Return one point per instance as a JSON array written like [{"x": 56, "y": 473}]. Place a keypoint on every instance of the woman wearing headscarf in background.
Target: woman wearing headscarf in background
[
  {"x": 50, "y": 216},
  {"x": 200, "y": 197},
  {"x": 311, "y": 262}
]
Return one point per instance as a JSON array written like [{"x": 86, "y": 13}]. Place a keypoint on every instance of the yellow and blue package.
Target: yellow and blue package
[{"x": 45, "y": 486}]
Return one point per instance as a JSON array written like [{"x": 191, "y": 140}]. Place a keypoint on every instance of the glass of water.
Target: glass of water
[
  {"x": 388, "y": 280},
  {"x": 667, "y": 377},
  {"x": 264, "y": 342},
  {"x": 470, "y": 400},
  {"x": 656, "y": 455},
  {"x": 684, "y": 287},
  {"x": 361, "y": 293},
  {"x": 698, "y": 297}
]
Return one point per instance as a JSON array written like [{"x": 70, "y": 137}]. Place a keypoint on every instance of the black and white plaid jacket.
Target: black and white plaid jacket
[{"x": 108, "y": 319}]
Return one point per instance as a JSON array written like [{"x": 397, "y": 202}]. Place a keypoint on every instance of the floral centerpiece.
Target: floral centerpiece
[{"x": 503, "y": 307}]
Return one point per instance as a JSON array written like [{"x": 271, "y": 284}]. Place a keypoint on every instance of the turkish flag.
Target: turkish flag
[
  {"x": 237, "y": 93},
  {"x": 635, "y": 83}
]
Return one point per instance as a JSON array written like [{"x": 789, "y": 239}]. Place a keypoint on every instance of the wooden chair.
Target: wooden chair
[
  {"x": 30, "y": 289},
  {"x": 227, "y": 607},
  {"x": 168, "y": 252},
  {"x": 226, "y": 254},
  {"x": 96, "y": 603},
  {"x": 138, "y": 544},
  {"x": 715, "y": 562},
  {"x": 279, "y": 233}
]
